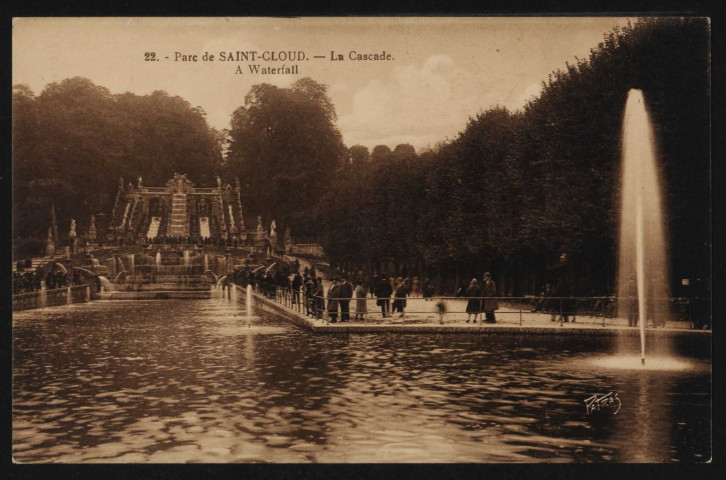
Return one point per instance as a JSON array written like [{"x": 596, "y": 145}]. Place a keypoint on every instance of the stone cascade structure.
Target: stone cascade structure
[
  {"x": 179, "y": 209},
  {"x": 159, "y": 273}
]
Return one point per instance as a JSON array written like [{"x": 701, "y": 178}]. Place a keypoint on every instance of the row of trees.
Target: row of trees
[
  {"x": 286, "y": 149},
  {"x": 74, "y": 140},
  {"x": 511, "y": 193},
  {"x": 515, "y": 190}
]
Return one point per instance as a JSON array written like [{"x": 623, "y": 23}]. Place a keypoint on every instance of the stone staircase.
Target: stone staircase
[
  {"x": 178, "y": 226},
  {"x": 60, "y": 253}
]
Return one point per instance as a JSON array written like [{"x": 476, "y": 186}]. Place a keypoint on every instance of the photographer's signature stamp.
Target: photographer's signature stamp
[{"x": 608, "y": 403}]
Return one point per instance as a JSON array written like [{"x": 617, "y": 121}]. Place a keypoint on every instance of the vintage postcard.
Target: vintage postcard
[{"x": 361, "y": 240}]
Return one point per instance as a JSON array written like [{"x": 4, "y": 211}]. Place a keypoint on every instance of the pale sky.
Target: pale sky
[{"x": 444, "y": 70}]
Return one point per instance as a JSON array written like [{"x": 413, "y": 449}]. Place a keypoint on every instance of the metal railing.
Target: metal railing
[
  {"x": 602, "y": 311},
  {"x": 50, "y": 298}
]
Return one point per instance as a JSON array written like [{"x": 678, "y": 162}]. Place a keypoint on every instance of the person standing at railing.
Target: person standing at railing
[
  {"x": 564, "y": 288},
  {"x": 383, "y": 294},
  {"x": 360, "y": 305},
  {"x": 51, "y": 280},
  {"x": 550, "y": 306},
  {"x": 538, "y": 302},
  {"x": 319, "y": 296},
  {"x": 473, "y": 306},
  {"x": 489, "y": 289},
  {"x": 346, "y": 294},
  {"x": 333, "y": 300},
  {"x": 399, "y": 304},
  {"x": 309, "y": 293},
  {"x": 297, "y": 282},
  {"x": 36, "y": 279}
]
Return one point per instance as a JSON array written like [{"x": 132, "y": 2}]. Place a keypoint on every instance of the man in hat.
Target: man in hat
[
  {"x": 489, "y": 289},
  {"x": 297, "y": 282},
  {"x": 319, "y": 299},
  {"x": 383, "y": 294},
  {"x": 345, "y": 294},
  {"x": 333, "y": 300},
  {"x": 308, "y": 290}
]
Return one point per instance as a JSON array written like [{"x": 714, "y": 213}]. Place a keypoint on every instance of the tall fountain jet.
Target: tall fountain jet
[{"x": 642, "y": 239}]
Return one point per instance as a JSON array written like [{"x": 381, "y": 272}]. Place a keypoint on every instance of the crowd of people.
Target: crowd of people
[
  {"x": 561, "y": 308},
  {"x": 307, "y": 291},
  {"x": 33, "y": 280},
  {"x": 26, "y": 282},
  {"x": 342, "y": 291}
]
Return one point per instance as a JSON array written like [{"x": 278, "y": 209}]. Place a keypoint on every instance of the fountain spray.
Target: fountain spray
[
  {"x": 249, "y": 300},
  {"x": 642, "y": 243}
]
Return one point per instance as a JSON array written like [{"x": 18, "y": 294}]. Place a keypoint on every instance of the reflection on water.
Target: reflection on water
[
  {"x": 654, "y": 363},
  {"x": 195, "y": 381}
]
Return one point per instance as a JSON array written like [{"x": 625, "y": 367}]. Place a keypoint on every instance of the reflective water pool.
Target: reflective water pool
[{"x": 195, "y": 381}]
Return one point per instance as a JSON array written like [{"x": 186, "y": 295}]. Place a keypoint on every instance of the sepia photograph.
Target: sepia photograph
[{"x": 361, "y": 240}]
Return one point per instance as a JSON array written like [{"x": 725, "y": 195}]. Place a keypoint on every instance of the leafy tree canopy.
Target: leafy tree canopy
[{"x": 286, "y": 149}]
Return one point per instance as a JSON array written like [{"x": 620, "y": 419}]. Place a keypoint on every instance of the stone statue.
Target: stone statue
[
  {"x": 259, "y": 224},
  {"x": 219, "y": 182},
  {"x": 273, "y": 229},
  {"x": 139, "y": 182},
  {"x": 92, "y": 229},
  {"x": 72, "y": 238},
  {"x": 49, "y": 245}
]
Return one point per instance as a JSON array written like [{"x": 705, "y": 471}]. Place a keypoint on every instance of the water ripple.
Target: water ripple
[{"x": 195, "y": 381}]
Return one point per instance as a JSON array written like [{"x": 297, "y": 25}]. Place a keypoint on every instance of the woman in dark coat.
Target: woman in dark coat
[
  {"x": 473, "y": 306},
  {"x": 360, "y": 302}
]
